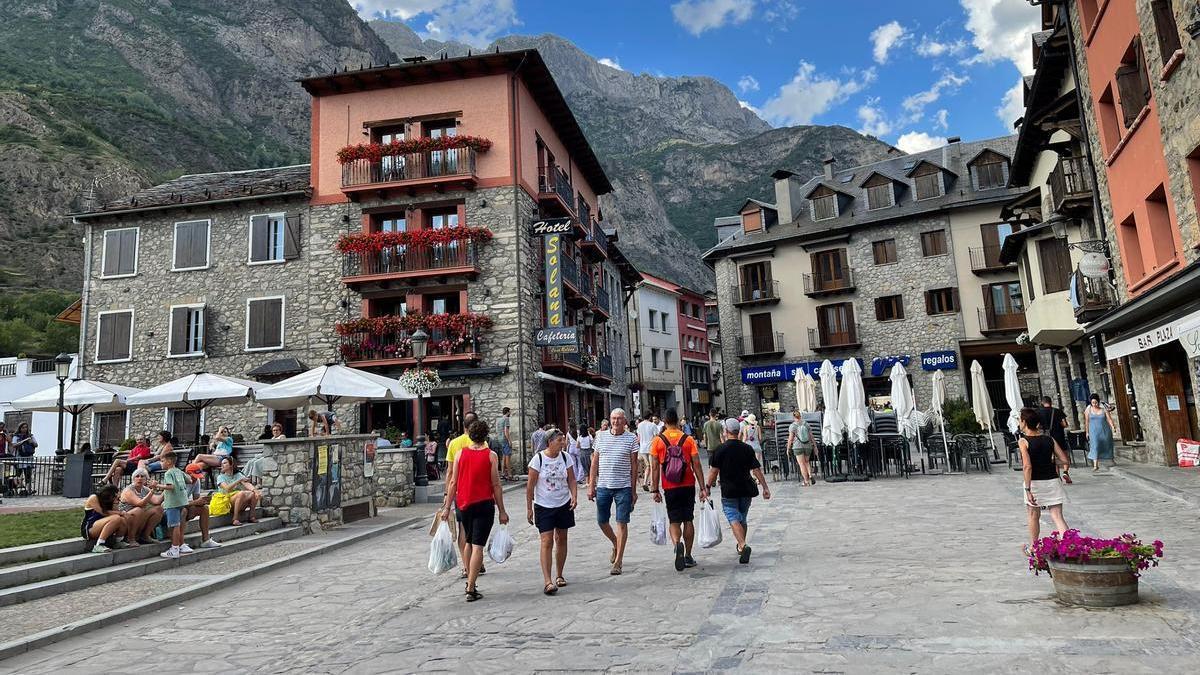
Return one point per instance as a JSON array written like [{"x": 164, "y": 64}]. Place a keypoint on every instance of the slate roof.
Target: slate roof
[
  {"x": 960, "y": 193},
  {"x": 199, "y": 188}
]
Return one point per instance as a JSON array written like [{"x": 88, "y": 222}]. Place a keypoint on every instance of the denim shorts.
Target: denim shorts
[
  {"x": 154, "y": 467},
  {"x": 736, "y": 509},
  {"x": 174, "y": 516},
  {"x": 505, "y": 448},
  {"x": 604, "y": 501}
]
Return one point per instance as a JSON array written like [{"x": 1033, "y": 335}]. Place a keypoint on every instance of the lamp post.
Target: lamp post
[
  {"x": 420, "y": 341},
  {"x": 62, "y": 370}
]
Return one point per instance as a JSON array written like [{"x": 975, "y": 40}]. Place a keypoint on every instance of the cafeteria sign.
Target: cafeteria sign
[
  {"x": 557, "y": 337},
  {"x": 947, "y": 360}
]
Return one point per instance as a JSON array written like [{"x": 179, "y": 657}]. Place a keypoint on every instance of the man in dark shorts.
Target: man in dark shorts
[
  {"x": 734, "y": 461},
  {"x": 680, "y": 494}
]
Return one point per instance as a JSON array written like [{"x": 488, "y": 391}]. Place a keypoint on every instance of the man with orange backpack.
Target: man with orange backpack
[{"x": 675, "y": 467}]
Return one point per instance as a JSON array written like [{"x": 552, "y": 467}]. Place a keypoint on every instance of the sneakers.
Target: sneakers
[
  {"x": 172, "y": 552},
  {"x": 689, "y": 561},
  {"x": 117, "y": 544},
  {"x": 101, "y": 548},
  {"x": 744, "y": 554},
  {"x": 185, "y": 549},
  {"x": 679, "y": 557},
  {"x": 210, "y": 543}
]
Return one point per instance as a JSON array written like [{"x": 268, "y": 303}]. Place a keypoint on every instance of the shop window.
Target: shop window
[{"x": 1159, "y": 226}]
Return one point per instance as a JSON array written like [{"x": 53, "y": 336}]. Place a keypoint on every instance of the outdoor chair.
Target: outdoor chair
[
  {"x": 970, "y": 452},
  {"x": 936, "y": 449}
]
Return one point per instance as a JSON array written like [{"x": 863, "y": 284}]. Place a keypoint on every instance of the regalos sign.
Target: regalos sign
[
  {"x": 554, "y": 285},
  {"x": 947, "y": 360}
]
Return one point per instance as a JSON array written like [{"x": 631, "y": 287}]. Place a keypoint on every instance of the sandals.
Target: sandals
[
  {"x": 473, "y": 594},
  {"x": 550, "y": 589},
  {"x": 236, "y": 523},
  {"x": 615, "y": 571},
  {"x": 560, "y": 581}
]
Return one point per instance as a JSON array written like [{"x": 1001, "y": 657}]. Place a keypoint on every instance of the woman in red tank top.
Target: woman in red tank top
[{"x": 475, "y": 488}]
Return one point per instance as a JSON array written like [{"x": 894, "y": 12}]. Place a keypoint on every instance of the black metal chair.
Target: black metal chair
[
  {"x": 936, "y": 448},
  {"x": 971, "y": 452}
]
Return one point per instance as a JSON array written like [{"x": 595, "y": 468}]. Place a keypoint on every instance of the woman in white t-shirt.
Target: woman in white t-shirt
[
  {"x": 550, "y": 500},
  {"x": 587, "y": 436}
]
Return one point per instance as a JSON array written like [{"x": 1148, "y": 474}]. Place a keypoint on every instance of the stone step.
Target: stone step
[
  {"x": 42, "y": 589},
  {"x": 27, "y": 573},
  {"x": 47, "y": 550}
]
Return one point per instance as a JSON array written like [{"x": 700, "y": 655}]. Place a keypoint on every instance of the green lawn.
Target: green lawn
[{"x": 18, "y": 529}]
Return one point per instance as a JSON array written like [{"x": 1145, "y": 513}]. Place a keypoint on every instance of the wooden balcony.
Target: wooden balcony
[
  {"x": 769, "y": 344},
  {"x": 817, "y": 285},
  {"x": 986, "y": 260},
  {"x": 1070, "y": 185},
  {"x": 436, "y": 169},
  {"x": 766, "y": 293},
  {"x": 571, "y": 362},
  {"x": 365, "y": 349},
  {"x": 411, "y": 262},
  {"x": 819, "y": 340},
  {"x": 1096, "y": 297},
  {"x": 992, "y": 322}
]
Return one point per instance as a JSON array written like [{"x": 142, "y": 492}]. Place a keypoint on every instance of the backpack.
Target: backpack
[
  {"x": 674, "y": 466},
  {"x": 803, "y": 436}
]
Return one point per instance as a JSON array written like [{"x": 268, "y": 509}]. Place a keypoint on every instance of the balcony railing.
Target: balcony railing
[
  {"x": 396, "y": 345},
  {"x": 570, "y": 272},
  {"x": 418, "y": 166},
  {"x": 602, "y": 301},
  {"x": 40, "y": 366},
  {"x": 587, "y": 286},
  {"x": 992, "y": 321},
  {"x": 574, "y": 358},
  {"x": 554, "y": 180},
  {"x": 761, "y": 293},
  {"x": 584, "y": 212},
  {"x": 409, "y": 259},
  {"x": 596, "y": 239},
  {"x": 817, "y": 284},
  {"x": 761, "y": 345},
  {"x": 1070, "y": 181},
  {"x": 987, "y": 259},
  {"x": 606, "y": 365},
  {"x": 818, "y": 340},
  {"x": 1095, "y": 297}
]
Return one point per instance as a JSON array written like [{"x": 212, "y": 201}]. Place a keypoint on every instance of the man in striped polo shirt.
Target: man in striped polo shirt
[{"x": 611, "y": 480}]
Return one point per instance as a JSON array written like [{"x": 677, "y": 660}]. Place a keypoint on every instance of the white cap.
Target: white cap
[{"x": 732, "y": 426}]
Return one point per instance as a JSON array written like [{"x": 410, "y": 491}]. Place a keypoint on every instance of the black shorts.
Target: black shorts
[
  {"x": 131, "y": 465},
  {"x": 476, "y": 522},
  {"x": 681, "y": 504},
  {"x": 548, "y": 518}
]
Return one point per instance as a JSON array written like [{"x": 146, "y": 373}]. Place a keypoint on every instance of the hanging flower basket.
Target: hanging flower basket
[
  {"x": 420, "y": 381},
  {"x": 1093, "y": 572},
  {"x": 372, "y": 242},
  {"x": 377, "y": 151}
]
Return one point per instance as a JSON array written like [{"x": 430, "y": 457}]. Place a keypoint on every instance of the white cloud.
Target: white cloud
[
  {"x": 941, "y": 120},
  {"x": 1012, "y": 106},
  {"x": 611, "y": 63},
  {"x": 872, "y": 119},
  {"x": 1001, "y": 30},
  {"x": 747, "y": 83},
  {"x": 751, "y": 108},
  {"x": 916, "y": 104},
  {"x": 474, "y": 22},
  {"x": 697, "y": 16},
  {"x": 886, "y": 37},
  {"x": 810, "y": 93},
  {"x": 933, "y": 47},
  {"x": 918, "y": 141}
]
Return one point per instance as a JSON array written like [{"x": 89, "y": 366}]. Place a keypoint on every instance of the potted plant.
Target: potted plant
[
  {"x": 420, "y": 381},
  {"x": 1094, "y": 572}
]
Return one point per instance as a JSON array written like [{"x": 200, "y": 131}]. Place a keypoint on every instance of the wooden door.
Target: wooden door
[
  {"x": 993, "y": 235},
  {"x": 829, "y": 270},
  {"x": 762, "y": 336},
  {"x": 1172, "y": 398},
  {"x": 836, "y": 324},
  {"x": 1121, "y": 393},
  {"x": 756, "y": 281}
]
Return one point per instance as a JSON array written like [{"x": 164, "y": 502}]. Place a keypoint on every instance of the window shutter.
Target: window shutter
[
  {"x": 183, "y": 235},
  {"x": 954, "y": 301},
  {"x": 259, "y": 250},
  {"x": 1129, "y": 88},
  {"x": 128, "y": 257},
  {"x": 254, "y": 321},
  {"x": 111, "y": 254},
  {"x": 291, "y": 237},
  {"x": 879, "y": 309},
  {"x": 1168, "y": 31},
  {"x": 1142, "y": 70},
  {"x": 203, "y": 318},
  {"x": 122, "y": 329},
  {"x": 928, "y": 302},
  {"x": 104, "y": 348},
  {"x": 273, "y": 325},
  {"x": 179, "y": 331}
]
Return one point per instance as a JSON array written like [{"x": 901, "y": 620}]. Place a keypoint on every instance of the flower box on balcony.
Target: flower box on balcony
[
  {"x": 377, "y": 151},
  {"x": 371, "y": 242}
]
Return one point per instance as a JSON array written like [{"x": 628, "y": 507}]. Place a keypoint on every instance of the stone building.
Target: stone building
[
  {"x": 657, "y": 363},
  {"x": 417, "y": 211},
  {"x": 896, "y": 261},
  {"x": 1138, "y": 74}
]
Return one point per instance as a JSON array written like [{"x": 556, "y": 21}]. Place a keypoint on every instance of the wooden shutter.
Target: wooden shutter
[
  {"x": 179, "y": 330},
  {"x": 1129, "y": 88},
  {"x": 291, "y": 237},
  {"x": 929, "y": 302},
  {"x": 203, "y": 319},
  {"x": 1164, "y": 25},
  {"x": 273, "y": 324},
  {"x": 112, "y": 255},
  {"x": 955, "y": 304},
  {"x": 104, "y": 348},
  {"x": 128, "y": 257},
  {"x": 122, "y": 327},
  {"x": 1142, "y": 71},
  {"x": 259, "y": 244},
  {"x": 254, "y": 320}
]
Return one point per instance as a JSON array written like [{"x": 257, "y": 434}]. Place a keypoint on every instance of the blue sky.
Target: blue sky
[{"x": 910, "y": 71}]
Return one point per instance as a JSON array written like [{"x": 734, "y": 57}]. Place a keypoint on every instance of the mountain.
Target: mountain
[{"x": 679, "y": 150}]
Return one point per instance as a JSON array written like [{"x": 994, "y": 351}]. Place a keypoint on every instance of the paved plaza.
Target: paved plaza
[{"x": 915, "y": 576}]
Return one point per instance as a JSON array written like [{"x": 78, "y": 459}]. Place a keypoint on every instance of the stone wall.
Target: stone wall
[
  {"x": 393, "y": 478},
  {"x": 288, "y": 489}
]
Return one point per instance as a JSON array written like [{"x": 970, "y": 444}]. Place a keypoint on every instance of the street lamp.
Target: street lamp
[
  {"x": 420, "y": 342},
  {"x": 62, "y": 370}
]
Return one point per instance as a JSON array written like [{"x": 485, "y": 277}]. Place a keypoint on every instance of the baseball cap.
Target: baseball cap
[{"x": 732, "y": 426}]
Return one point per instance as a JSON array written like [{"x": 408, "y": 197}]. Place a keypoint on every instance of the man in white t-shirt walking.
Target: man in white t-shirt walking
[
  {"x": 647, "y": 429},
  {"x": 610, "y": 481}
]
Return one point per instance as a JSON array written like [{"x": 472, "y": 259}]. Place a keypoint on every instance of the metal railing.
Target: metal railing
[
  {"x": 817, "y": 284},
  {"x": 1069, "y": 180},
  {"x": 1095, "y": 296},
  {"x": 587, "y": 286},
  {"x": 602, "y": 300},
  {"x": 25, "y": 476},
  {"x": 401, "y": 259},
  {"x": 987, "y": 258},
  {"x": 554, "y": 179},
  {"x": 595, "y": 235},
  {"x": 585, "y": 213},
  {"x": 414, "y": 166},
  {"x": 821, "y": 340},
  {"x": 570, "y": 271},
  {"x": 573, "y": 358},
  {"x": 372, "y": 346},
  {"x": 991, "y": 321},
  {"x": 767, "y": 291},
  {"x": 606, "y": 365},
  {"x": 40, "y": 366},
  {"x": 769, "y": 343}
]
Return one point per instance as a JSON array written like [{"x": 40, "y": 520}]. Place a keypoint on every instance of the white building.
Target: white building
[
  {"x": 653, "y": 319},
  {"x": 21, "y": 377}
]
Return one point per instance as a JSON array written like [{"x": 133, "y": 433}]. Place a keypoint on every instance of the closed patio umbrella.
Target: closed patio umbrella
[
  {"x": 331, "y": 384},
  {"x": 832, "y": 426},
  {"x": 937, "y": 403},
  {"x": 903, "y": 402},
  {"x": 981, "y": 402},
  {"x": 1012, "y": 393},
  {"x": 79, "y": 396},
  {"x": 806, "y": 391},
  {"x": 852, "y": 403}
]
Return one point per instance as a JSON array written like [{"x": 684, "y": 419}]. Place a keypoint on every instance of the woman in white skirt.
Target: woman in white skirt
[{"x": 1041, "y": 456}]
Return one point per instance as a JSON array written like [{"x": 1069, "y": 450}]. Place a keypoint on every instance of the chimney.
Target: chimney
[
  {"x": 787, "y": 195},
  {"x": 953, "y": 139},
  {"x": 828, "y": 162}
]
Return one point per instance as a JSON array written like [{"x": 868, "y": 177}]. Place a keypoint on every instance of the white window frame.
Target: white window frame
[
  {"x": 207, "y": 245},
  {"x": 94, "y": 436},
  {"x": 282, "y": 323},
  {"x": 171, "y": 330},
  {"x": 137, "y": 244},
  {"x": 169, "y": 426},
  {"x": 282, "y": 216},
  {"x": 132, "y": 319}
]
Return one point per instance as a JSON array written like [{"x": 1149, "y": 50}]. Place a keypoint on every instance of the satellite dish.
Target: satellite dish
[{"x": 1094, "y": 266}]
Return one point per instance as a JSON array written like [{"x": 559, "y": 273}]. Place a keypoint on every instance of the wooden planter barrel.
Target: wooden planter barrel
[{"x": 1096, "y": 583}]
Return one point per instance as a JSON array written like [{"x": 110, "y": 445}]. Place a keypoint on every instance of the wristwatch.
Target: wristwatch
[{"x": 1028, "y": 489}]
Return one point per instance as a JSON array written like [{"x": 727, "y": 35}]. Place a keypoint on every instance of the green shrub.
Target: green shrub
[{"x": 960, "y": 417}]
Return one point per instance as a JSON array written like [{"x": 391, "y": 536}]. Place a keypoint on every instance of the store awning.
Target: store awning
[{"x": 573, "y": 383}]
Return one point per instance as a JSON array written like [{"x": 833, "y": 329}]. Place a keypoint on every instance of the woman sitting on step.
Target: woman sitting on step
[
  {"x": 236, "y": 489},
  {"x": 141, "y": 508},
  {"x": 102, "y": 522}
]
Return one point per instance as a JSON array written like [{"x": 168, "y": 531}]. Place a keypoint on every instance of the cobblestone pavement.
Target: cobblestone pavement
[{"x": 915, "y": 576}]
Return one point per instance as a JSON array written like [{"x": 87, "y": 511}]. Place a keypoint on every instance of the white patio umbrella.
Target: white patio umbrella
[
  {"x": 981, "y": 402},
  {"x": 1012, "y": 393},
  {"x": 903, "y": 402},
  {"x": 806, "y": 391},
  {"x": 79, "y": 396},
  {"x": 937, "y": 403},
  {"x": 196, "y": 391},
  {"x": 852, "y": 404},
  {"x": 832, "y": 426},
  {"x": 331, "y": 384}
]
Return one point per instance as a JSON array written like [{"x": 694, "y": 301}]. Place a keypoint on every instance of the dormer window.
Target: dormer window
[
  {"x": 881, "y": 193},
  {"x": 928, "y": 182},
  {"x": 989, "y": 170},
  {"x": 824, "y": 204}
]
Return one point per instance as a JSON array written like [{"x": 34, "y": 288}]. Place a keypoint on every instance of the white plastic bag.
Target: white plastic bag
[
  {"x": 443, "y": 555},
  {"x": 658, "y": 523},
  {"x": 501, "y": 546},
  {"x": 708, "y": 527}
]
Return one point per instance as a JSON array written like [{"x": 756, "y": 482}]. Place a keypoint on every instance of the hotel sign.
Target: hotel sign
[
  {"x": 554, "y": 284},
  {"x": 542, "y": 228}
]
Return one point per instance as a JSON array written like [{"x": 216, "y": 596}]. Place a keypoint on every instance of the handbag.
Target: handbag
[{"x": 219, "y": 504}]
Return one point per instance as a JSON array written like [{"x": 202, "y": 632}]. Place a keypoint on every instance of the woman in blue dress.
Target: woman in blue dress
[{"x": 1099, "y": 432}]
